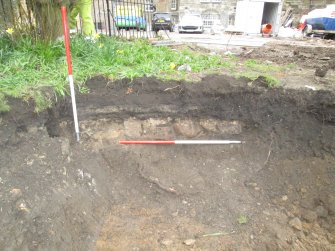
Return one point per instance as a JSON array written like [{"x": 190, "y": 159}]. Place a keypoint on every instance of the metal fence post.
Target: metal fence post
[{"x": 108, "y": 18}]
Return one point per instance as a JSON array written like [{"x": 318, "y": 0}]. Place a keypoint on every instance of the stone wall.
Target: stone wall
[
  {"x": 225, "y": 10},
  {"x": 304, "y": 6}
]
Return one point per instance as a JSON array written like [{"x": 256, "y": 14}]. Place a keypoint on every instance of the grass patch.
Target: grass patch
[
  {"x": 271, "y": 81},
  {"x": 27, "y": 67},
  {"x": 253, "y": 69},
  {"x": 261, "y": 67},
  {"x": 4, "y": 107},
  {"x": 242, "y": 219}
]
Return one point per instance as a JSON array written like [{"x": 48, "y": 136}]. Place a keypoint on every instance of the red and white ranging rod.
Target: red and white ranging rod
[
  {"x": 69, "y": 68},
  {"x": 179, "y": 142}
]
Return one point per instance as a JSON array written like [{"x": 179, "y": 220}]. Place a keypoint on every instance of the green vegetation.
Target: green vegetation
[
  {"x": 27, "y": 66},
  {"x": 242, "y": 219},
  {"x": 253, "y": 69},
  {"x": 271, "y": 81}
]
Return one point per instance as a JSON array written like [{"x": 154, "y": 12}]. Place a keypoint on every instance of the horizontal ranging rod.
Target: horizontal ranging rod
[{"x": 179, "y": 142}]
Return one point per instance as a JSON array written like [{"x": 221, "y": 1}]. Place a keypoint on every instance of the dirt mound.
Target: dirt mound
[{"x": 274, "y": 191}]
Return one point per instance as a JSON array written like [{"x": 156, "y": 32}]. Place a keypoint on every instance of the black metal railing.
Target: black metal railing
[
  {"x": 124, "y": 18},
  {"x": 127, "y": 18}
]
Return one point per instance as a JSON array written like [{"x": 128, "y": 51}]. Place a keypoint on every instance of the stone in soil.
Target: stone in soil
[
  {"x": 167, "y": 242},
  {"x": 296, "y": 223},
  {"x": 187, "y": 128},
  {"x": 189, "y": 242},
  {"x": 309, "y": 216},
  {"x": 321, "y": 211}
]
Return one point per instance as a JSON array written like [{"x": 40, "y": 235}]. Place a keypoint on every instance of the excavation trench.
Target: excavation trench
[{"x": 274, "y": 191}]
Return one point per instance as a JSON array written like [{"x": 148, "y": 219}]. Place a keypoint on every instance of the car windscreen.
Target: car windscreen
[
  {"x": 191, "y": 18},
  {"x": 166, "y": 16}
]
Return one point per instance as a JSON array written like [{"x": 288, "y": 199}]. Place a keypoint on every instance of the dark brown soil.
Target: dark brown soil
[{"x": 273, "y": 192}]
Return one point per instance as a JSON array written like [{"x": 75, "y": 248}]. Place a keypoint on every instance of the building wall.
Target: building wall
[
  {"x": 304, "y": 6},
  {"x": 223, "y": 9},
  {"x": 226, "y": 8}
]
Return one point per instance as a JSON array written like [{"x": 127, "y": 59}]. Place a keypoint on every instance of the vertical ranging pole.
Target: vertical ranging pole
[{"x": 69, "y": 68}]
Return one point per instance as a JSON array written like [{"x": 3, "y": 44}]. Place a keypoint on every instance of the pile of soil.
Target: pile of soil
[{"x": 273, "y": 192}]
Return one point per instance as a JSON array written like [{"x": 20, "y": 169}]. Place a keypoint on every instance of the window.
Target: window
[
  {"x": 173, "y": 4},
  {"x": 148, "y": 6},
  {"x": 210, "y": 18},
  {"x": 210, "y": 1}
]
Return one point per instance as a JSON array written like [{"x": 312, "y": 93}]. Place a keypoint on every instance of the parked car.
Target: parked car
[
  {"x": 130, "y": 22},
  {"x": 162, "y": 21},
  {"x": 191, "y": 23}
]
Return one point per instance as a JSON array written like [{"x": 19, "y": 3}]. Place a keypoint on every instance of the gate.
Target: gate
[{"x": 124, "y": 18}]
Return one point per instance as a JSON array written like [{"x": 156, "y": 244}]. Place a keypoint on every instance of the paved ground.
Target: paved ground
[{"x": 217, "y": 40}]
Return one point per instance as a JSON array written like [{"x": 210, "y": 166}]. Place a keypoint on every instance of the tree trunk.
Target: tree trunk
[
  {"x": 48, "y": 19},
  {"x": 44, "y": 16}
]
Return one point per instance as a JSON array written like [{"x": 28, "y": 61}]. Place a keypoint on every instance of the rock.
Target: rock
[
  {"x": 158, "y": 128},
  {"x": 21, "y": 206},
  {"x": 185, "y": 67},
  {"x": 321, "y": 71},
  {"x": 16, "y": 193},
  {"x": 133, "y": 128},
  {"x": 321, "y": 211},
  {"x": 331, "y": 238},
  {"x": 331, "y": 203},
  {"x": 230, "y": 127},
  {"x": 306, "y": 55},
  {"x": 314, "y": 236},
  {"x": 284, "y": 236},
  {"x": 284, "y": 198},
  {"x": 189, "y": 242},
  {"x": 65, "y": 146},
  {"x": 301, "y": 235},
  {"x": 332, "y": 64},
  {"x": 325, "y": 225},
  {"x": 187, "y": 128},
  {"x": 325, "y": 58},
  {"x": 303, "y": 190},
  {"x": 209, "y": 124},
  {"x": 296, "y": 223},
  {"x": 166, "y": 242},
  {"x": 309, "y": 216}
]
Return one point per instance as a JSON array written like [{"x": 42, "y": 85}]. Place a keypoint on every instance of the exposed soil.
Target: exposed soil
[
  {"x": 306, "y": 53},
  {"x": 273, "y": 192}
]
